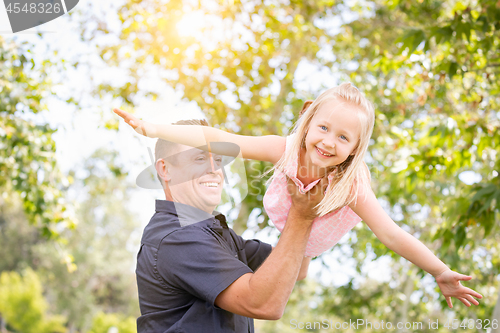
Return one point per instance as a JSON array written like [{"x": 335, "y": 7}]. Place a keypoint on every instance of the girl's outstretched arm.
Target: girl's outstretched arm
[
  {"x": 407, "y": 246},
  {"x": 268, "y": 148}
]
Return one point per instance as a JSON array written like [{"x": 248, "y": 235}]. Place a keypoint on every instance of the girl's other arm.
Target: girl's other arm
[
  {"x": 268, "y": 148},
  {"x": 407, "y": 246},
  {"x": 304, "y": 268}
]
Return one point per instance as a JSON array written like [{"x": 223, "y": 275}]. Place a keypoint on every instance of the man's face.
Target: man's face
[{"x": 195, "y": 178}]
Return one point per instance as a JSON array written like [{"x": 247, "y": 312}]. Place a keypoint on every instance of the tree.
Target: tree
[
  {"x": 22, "y": 305},
  {"x": 100, "y": 278},
  {"x": 27, "y": 154},
  {"x": 437, "y": 90},
  {"x": 32, "y": 189},
  {"x": 103, "y": 280}
]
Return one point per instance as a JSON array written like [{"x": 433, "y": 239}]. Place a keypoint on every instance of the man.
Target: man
[{"x": 194, "y": 274}]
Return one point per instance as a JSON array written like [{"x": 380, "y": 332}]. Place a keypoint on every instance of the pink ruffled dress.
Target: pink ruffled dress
[{"x": 326, "y": 230}]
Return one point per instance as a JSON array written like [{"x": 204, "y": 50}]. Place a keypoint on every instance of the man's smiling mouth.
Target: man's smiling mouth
[{"x": 210, "y": 184}]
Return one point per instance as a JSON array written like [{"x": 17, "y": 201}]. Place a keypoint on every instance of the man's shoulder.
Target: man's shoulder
[
  {"x": 160, "y": 225},
  {"x": 163, "y": 227}
]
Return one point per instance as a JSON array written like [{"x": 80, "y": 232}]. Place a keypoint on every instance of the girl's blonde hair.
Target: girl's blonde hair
[{"x": 350, "y": 175}]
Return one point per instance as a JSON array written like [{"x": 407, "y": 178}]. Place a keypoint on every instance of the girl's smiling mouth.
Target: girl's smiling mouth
[{"x": 322, "y": 153}]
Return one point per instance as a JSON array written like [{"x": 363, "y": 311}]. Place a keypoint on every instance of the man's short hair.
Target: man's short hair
[{"x": 164, "y": 148}]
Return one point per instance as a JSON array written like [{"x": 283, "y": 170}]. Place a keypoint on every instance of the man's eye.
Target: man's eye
[{"x": 200, "y": 159}]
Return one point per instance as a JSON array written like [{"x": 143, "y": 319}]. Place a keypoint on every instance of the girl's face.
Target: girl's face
[{"x": 333, "y": 134}]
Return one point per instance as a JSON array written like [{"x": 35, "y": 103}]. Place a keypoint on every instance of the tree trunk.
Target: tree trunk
[
  {"x": 496, "y": 315},
  {"x": 240, "y": 224},
  {"x": 3, "y": 329}
]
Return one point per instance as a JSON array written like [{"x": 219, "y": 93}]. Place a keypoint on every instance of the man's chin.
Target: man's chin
[{"x": 212, "y": 201}]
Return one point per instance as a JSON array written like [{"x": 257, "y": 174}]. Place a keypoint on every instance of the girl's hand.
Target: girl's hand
[
  {"x": 140, "y": 126},
  {"x": 449, "y": 283}
]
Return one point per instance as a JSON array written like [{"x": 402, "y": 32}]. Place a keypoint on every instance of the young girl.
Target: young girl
[{"x": 329, "y": 140}]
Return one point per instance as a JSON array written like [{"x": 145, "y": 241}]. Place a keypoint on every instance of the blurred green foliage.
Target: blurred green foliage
[
  {"x": 101, "y": 283},
  {"x": 112, "y": 323},
  {"x": 23, "y": 306},
  {"x": 27, "y": 150}
]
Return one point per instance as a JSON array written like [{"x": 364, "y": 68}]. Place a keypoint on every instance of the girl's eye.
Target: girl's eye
[
  {"x": 323, "y": 128},
  {"x": 343, "y": 137}
]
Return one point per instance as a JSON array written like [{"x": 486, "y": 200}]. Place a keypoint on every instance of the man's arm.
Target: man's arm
[
  {"x": 303, "y": 268},
  {"x": 264, "y": 294}
]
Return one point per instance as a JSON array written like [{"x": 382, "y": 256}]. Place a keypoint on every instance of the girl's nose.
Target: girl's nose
[{"x": 328, "y": 143}]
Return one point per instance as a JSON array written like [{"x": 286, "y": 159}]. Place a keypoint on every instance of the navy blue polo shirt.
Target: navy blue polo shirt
[{"x": 187, "y": 258}]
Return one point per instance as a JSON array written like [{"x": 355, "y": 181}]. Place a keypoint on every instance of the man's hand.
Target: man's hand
[
  {"x": 449, "y": 283},
  {"x": 304, "y": 203}
]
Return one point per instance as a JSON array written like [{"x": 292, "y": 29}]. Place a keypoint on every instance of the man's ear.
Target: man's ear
[{"x": 162, "y": 170}]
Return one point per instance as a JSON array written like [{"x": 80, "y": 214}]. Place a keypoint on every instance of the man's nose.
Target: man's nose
[{"x": 213, "y": 166}]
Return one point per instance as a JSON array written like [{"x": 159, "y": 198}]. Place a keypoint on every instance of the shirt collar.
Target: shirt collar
[{"x": 188, "y": 214}]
